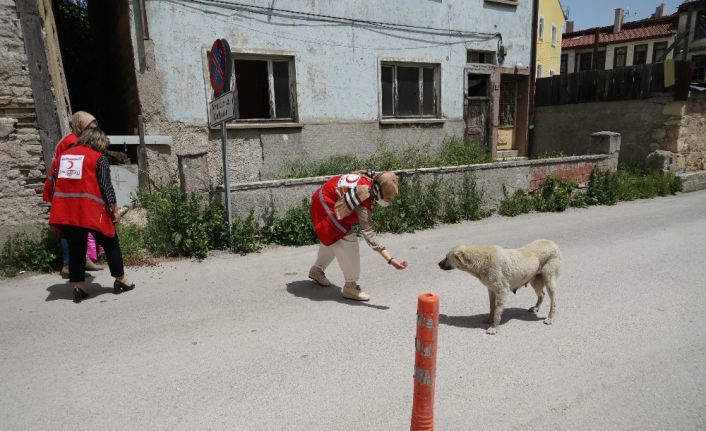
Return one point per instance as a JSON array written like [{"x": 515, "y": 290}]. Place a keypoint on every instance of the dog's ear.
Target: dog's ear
[{"x": 462, "y": 258}]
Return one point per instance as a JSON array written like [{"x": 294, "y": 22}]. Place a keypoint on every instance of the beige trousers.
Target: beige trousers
[{"x": 346, "y": 252}]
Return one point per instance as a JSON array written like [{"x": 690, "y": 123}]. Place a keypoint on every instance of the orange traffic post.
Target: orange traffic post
[{"x": 425, "y": 362}]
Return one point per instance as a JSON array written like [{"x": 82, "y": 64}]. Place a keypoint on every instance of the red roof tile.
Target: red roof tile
[{"x": 626, "y": 35}]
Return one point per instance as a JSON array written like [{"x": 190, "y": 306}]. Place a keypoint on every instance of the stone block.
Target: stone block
[
  {"x": 194, "y": 173},
  {"x": 663, "y": 161},
  {"x": 675, "y": 109}
]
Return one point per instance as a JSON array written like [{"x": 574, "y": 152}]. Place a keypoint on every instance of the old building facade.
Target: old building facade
[{"x": 315, "y": 79}]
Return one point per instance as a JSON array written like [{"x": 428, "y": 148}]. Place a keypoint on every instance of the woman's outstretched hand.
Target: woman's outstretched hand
[{"x": 399, "y": 264}]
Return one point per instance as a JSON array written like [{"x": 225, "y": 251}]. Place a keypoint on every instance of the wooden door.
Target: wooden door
[{"x": 477, "y": 107}]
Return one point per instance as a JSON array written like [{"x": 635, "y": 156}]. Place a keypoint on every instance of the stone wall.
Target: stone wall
[
  {"x": 648, "y": 125},
  {"x": 21, "y": 163},
  {"x": 645, "y": 126},
  {"x": 691, "y": 145}
]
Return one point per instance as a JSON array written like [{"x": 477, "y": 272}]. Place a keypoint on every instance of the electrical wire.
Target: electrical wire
[{"x": 308, "y": 16}]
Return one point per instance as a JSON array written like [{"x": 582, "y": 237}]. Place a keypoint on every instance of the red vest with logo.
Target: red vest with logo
[
  {"x": 65, "y": 143},
  {"x": 328, "y": 227},
  {"x": 78, "y": 200}
]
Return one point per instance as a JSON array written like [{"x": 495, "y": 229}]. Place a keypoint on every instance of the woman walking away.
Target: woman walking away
[
  {"x": 338, "y": 205},
  {"x": 80, "y": 121},
  {"x": 83, "y": 202}
]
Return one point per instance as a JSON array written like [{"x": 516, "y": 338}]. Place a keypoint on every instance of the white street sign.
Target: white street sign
[{"x": 223, "y": 109}]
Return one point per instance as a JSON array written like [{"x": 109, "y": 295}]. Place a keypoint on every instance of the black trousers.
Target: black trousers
[{"x": 76, "y": 237}]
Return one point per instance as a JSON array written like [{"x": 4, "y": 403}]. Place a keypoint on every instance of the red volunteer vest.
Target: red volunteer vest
[
  {"x": 65, "y": 143},
  {"x": 328, "y": 228},
  {"x": 78, "y": 200}
]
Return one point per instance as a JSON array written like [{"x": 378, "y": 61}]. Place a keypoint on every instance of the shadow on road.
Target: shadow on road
[
  {"x": 65, "y": 291},
  {"x": 314, "y": 292},
  {"x": 478, "y": 321}
]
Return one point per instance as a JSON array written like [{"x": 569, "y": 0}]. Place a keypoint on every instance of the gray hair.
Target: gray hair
[{"x": 94, "y": 138}]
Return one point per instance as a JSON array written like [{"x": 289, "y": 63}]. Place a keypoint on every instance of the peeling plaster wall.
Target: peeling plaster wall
[{"x": 336, "y": 75}]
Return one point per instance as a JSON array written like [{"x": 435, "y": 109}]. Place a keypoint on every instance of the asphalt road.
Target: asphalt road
[{"x": 248, "y": 343}]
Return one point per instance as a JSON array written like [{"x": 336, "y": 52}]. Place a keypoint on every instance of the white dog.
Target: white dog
[{"x": 505, "y": 270}]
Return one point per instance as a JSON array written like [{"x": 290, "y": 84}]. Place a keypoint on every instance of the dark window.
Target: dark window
[
  {"x": 564, "y": 65},
  {"x": 265, "y": 88},
  {"x": 484, "y": 57},
  {"x": 700, "y": 31},
  {"x": 620, "y": 54},
  {"x": 585, "y": 61},
  {"x": 600, "y": 60},
  {"x": 640, "y": 55},
  {"x": 408, "y": 91},
  {"x": 477, "y": 85},
  {"x": 388, "y": 91},
  {"x": 699, "y": 68},
  {"x": 659, "y": 51}
]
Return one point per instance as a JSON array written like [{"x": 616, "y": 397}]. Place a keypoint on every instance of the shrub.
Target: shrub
[
  {"x": 463, "y": 203},
  {"x": 602, "y": 188},
  {"x": 176, "y": 225},
  {"x": 294, "y": 227},
  {"x": 26, "y": 252},
  {"x": 416, "y": 207},
  {"x": 635, "y": 184},
  {"x": 132, "y": 245},
  {"x": 518, "y": 203},
  {"x": 245, "y": 234},
  {"x": 554, "y": 195}
]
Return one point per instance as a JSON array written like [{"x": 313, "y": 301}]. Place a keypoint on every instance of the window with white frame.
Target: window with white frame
[
  {"x": 553, "y": 34},
  {"x": 409, "y": 90},
  {"x": 619, "y": 57},
  {"x": 266, "y": 87},
  {"x": 540, "y": 30},
  {"x": 539, "y": 70},
  {"x": 551, "y": 72}
]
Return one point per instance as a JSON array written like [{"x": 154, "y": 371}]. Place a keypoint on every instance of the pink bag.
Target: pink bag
[{"x": 91, "y": 251}]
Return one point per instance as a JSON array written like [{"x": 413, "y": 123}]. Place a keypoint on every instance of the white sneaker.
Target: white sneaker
[
  {"x": 317, "y": 274},
  {"x": 351, "y": 290}
]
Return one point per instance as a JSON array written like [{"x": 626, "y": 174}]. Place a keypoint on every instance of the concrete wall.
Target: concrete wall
[
  {"x": 337, "y": 70},
  {"x": 645, "y": 126},
  {"x": 490, "y": 179},
  {"x": 658, "y": 123},
  {"x": 21, "y": 163}
]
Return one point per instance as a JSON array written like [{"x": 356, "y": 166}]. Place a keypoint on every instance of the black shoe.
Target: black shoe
[
  {"x": 119, "y": 287},
  {"x": 79, "y": 295}
]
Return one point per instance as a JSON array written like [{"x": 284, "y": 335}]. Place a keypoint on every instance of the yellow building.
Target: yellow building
[{"x": 550, "y": 24}]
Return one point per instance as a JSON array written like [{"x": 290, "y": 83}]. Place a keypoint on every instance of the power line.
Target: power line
[{"x": 308, "y": 16}]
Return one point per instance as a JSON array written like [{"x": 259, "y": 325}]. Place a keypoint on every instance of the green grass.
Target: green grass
[{"x": 452, "y": 151}]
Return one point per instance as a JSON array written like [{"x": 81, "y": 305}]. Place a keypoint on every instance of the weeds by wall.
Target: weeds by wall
[
  {"x": 189, "y": 226},
  {"x": 604, "y": 189},
  {"x": 453, "y": 151}
]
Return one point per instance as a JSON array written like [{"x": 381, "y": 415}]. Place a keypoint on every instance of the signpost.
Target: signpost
[{"x": 224, "y": 106}]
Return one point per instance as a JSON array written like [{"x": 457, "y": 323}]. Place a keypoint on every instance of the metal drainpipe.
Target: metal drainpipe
[{"x": 533, "y": 74}]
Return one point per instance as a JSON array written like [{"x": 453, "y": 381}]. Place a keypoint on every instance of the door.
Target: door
[
  {"x": 508, "y": 112},
  {"x": 477, "y": 107}
]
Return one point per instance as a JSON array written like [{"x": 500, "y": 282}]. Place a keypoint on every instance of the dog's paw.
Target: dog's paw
[
  {"x": 548, "y": 321},
  {"x": 533, "y": 310},
  {"x": 491, "y": 331}
]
